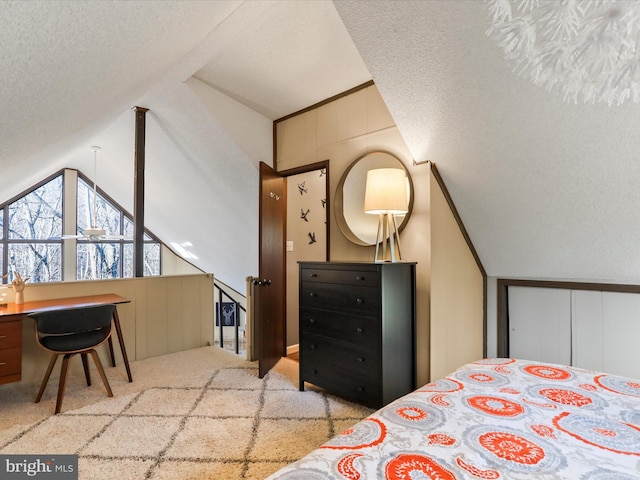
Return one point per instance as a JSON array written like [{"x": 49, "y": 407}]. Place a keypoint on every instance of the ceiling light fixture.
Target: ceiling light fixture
[{"x": 585, "y": 50}]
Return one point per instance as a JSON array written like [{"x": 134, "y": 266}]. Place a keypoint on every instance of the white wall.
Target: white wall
[{"x": 173, "y": 264}]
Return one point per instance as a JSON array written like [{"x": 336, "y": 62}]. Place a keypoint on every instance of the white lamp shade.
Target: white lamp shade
[{"x": 386, "y": 191}]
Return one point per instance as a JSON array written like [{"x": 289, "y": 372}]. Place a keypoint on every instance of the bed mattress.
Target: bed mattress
[{"x": 493, "y": 419}]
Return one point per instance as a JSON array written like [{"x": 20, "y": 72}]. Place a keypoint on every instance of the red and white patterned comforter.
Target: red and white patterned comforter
[{"x": 493, "y": 419}]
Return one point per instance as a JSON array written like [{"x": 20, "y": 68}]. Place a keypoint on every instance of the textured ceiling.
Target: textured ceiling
[
  {"x": 214, "y": 75},
  {"x": 281, "y": 57},
  {"x": 546, "y": 189}
]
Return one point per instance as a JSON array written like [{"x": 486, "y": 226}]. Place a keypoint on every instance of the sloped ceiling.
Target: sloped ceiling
[
  {"x": 545, "y": 189},
  {"x": 214, "y": 75}
]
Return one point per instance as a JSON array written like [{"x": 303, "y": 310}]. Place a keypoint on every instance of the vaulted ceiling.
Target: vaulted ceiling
[{"x": 545, "y": 188}]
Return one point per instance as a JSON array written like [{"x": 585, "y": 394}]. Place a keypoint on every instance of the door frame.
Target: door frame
[
  {"x": 310, "y": 168},
  {"x": 288, "y": 173}
]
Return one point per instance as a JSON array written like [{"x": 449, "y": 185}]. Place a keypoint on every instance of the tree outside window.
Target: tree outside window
[
  {"x": 109, "y": 259},
  {"x": 33, "y": 229}
]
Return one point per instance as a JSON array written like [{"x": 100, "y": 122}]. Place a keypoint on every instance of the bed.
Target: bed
[{"x": 493, "y": 419}]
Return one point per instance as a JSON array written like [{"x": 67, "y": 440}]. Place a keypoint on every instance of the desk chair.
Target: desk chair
[{"x": 69, "y": 332}]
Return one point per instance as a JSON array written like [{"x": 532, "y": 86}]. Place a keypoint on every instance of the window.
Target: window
[
  {"x": 33, "y": 227},
  {"x": 31, "y": 240},
  {"x": 111, "y": 258}
]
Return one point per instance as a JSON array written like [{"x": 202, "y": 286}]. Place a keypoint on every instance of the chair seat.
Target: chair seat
[
  {"x": 75, "y": 341},
  {"x": 69, "y": 332}
]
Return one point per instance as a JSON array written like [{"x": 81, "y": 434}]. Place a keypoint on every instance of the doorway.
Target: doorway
[{"x": 307, "y": 233}]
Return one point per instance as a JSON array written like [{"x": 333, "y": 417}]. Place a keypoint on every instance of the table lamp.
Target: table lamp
[{"x": 386, "y": 195}]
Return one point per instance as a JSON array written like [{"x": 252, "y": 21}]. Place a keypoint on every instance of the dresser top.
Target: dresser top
[{"x": 354, "y": 263}]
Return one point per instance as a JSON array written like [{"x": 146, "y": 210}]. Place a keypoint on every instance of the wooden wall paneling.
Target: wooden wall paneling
[
  {"x": 192, "y": 310},
  {"x": 157, "y": 317},
  {"x": 207, "y": 317},
  {"x": 155, "y": 322},
  {"x": 174, "y": 311},
  {"x": 142, "y": 324},
  {"x": 457, "y": 291}
]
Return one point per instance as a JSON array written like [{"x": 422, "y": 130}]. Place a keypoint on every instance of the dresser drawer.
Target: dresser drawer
[
  {"x": 358, "y": 388},
  {"x": 365, "y": 277},
  {"x": 352, "y": 328},
  {"x": 357, "y": 329},
  {"x": 10, "y": 334},
  {"x": 318, "y": 350},
  {"x": 10, "y": 361},
  {"x": 355, "y": 299}
]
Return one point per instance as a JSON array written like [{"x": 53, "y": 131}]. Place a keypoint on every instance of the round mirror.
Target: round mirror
[{"x": 357, "y": 226}]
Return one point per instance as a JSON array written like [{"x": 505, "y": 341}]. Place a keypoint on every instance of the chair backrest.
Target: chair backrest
[{"x": 73, "y": 320}]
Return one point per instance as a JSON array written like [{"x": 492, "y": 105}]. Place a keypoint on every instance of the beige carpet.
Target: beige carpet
[{"x": 201, "y": 414}]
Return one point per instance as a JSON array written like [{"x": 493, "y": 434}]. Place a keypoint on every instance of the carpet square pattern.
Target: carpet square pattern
[{"x": 228, "y": 424}]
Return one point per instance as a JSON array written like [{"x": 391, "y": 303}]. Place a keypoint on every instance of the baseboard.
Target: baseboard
[{"x": 293, "y": 349}]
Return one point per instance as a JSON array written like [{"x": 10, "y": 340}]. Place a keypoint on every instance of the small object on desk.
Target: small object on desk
[
  {"x": 3, "y": 299},
  {"x": 18, "y": 285}
]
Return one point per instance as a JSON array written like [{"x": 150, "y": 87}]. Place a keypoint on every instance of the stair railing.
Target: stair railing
[{"x": 237, "y": 314}]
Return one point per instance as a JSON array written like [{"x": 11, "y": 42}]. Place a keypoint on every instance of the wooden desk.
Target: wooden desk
[{"x": 11, "y": 328}]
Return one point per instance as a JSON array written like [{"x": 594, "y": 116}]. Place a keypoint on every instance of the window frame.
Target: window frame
[{"x": 5, "y": 241}]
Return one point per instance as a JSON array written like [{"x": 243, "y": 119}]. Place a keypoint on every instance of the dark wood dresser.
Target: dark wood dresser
[{"x": 357, "y": 329}]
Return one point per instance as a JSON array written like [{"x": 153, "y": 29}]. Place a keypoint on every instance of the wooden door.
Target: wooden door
[{"x": 269, "y": 318}]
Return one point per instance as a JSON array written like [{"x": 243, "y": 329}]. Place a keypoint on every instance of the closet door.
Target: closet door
[
  {"x": 606, "y": 332},
  {"x": 587, "y": 325},
  {"x": 540, "y": 324},
  {"x": 621, "y": 333}
]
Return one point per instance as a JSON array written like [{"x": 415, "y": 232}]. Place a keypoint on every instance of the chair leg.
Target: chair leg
[
  {"x": 63, "y": 380},
  {"x": 111, "y": 352},
  {"x": 85, "y": 365},
  {"x": 96, "y": 360},
  {"x": 43, "y": 385}
]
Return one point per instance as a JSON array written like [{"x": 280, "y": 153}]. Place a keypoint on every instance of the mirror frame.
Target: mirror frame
[{"x": 343, "y": 225}]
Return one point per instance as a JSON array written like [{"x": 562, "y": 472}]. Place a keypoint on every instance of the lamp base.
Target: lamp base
[{"x": 387, "y": 239}]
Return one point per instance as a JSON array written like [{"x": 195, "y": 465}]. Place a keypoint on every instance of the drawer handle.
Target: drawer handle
[
  {"x": 359, "y": 278},
  {"x": 359, "y": 300},
  {"x": 312, "y": 320},
  {"x": 359, "y": 330},
  {"x": 3, "y": 336},
  {"x": 360, "y": 389},
  {"x": 315, "y": 372},
  {"x": 312, "y": 346},
  {"x": 313, "y": 275},
  {"x": 3, "y": 364},
  {"x": 360, "y": 359},
  {"x": 312, "y": 294}
]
